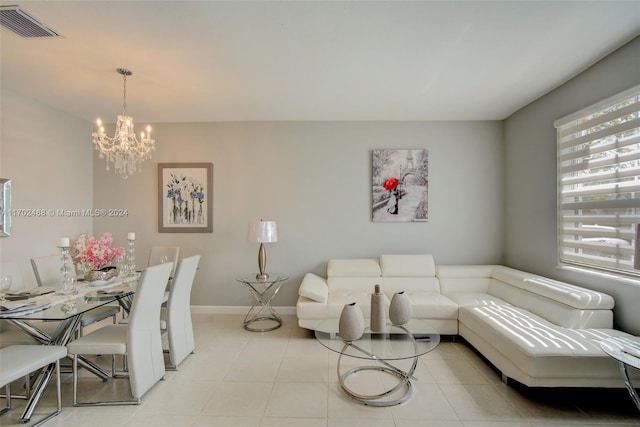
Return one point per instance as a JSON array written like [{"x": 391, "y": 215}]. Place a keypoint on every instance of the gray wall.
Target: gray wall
[
  {"x": 47, "y": 154},
  {"x": 314, "y": 179},
  {"x": 491, "y": 200},
  {"x": 530, "y": 172}
]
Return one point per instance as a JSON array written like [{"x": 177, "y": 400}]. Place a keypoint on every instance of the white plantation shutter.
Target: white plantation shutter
[{"x": 599, "y": 184}]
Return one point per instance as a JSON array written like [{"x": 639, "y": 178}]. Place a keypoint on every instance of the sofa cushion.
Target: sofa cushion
[
  {"x": 314, "y": 287},
  {"x": 391, "y": 285},
  {"x": 353, "y": 268},
  {"x": 537, "y": 346},
  {"x": 464, "y": 271},
  {"x": 339, "y": 298},
  {"x": 407, "y": 265},
  {"x": 475, "y": 298},
  {"x": 353, "y": 284},
  {"x": 533, "y": 335},
  {"x": 477, "y": 278},
  {"x": 511, "y": 294},
  {"x": 449, "y": 285},
  {"x": 309, "y": 309},
  {"x": 432, "y": 305}
]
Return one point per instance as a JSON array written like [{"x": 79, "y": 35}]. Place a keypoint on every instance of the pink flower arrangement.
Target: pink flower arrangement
[{"x": 93, "y": 252}]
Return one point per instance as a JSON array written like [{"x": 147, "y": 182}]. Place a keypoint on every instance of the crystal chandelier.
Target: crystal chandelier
[{"x": 124, "y": 150}]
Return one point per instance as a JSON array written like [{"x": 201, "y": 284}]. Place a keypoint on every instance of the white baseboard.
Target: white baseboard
[{"x": 225, "y": 309}]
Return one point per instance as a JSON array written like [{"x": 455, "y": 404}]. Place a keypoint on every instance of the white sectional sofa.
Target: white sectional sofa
[{"x": 537, "y": 331}]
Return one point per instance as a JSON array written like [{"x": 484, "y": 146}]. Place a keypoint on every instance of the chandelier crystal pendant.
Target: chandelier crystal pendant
[{"x": 124, "y": 150}]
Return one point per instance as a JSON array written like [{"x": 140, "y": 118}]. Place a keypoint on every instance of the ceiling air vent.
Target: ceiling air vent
[{"x": 18, "y": 21}]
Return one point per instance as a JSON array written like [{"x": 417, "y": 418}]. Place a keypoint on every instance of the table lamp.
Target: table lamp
[{"x": 263, "y": 232}]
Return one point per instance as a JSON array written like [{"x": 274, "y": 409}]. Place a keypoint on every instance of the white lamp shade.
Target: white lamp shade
[{"x": 263, "y": 231}]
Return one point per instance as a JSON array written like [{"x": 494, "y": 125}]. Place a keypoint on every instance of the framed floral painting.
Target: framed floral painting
[
  {"x": 400, "y": 185},
  {"x": 185, "y": 197}
]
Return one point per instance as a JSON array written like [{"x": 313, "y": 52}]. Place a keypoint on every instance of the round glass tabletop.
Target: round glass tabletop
[
  {"x": 251, "y": 278},
  {"x": 413, "y": 339}
]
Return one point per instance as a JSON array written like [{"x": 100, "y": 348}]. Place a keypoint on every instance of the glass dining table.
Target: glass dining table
[{"x": 67, "y": 311}]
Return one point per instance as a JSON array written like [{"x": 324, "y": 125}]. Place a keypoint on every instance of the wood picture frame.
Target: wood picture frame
[{"x": 185, "y": 197}]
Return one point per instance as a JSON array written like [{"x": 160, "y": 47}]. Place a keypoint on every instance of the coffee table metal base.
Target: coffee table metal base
[
  {"x": 395, "y": 395},
  {"x": 629, "y": 384}
]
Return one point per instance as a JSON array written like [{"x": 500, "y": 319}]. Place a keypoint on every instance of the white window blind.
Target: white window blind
[{"x": 599, "y": 184}]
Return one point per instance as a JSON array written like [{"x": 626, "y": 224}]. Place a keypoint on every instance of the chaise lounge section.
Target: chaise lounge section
[{"x": 537, "y": 331}]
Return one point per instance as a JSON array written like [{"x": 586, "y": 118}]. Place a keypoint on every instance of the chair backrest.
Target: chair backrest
[
  {"x": 10, "y": 268},
  {"x": 47, "y": 269},
  {"x": 180, "y": 328},
  {"x": 144, "y": 341},
  {"x": 171, "y": 253}
]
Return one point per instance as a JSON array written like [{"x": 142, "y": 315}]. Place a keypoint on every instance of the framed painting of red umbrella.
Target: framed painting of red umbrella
[{"x": 400, "y": 185}]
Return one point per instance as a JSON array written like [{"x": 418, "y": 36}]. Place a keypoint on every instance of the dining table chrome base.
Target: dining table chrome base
[{"x": 68, "y": 324}]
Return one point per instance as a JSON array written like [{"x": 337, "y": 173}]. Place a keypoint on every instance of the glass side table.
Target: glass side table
[{"x": 264, "y": 291}]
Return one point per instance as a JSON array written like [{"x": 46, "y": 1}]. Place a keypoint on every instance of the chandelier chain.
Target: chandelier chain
[{"x": 124, "y": 95}]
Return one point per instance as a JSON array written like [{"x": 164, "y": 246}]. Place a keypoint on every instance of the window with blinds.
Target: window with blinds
[{"x": 599, "y": 184}]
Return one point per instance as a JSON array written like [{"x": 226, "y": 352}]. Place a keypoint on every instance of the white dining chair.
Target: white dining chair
[
  {"x": 21, "y": 360},
  {"x": 159, "y": 254},
  {"x": 47, "y": 272},
  {"x": 177, "y": 337},
  {"x": 139, "y": 340},
  {"x": 11, "y": 269},
  {"x": 46, "y": 269},
  {"x": 9, "y": 334},
  {"x": 13, "y": 336}
]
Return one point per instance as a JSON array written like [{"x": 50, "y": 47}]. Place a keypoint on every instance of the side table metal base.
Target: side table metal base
[
  {"x": 248, "y": 322},
  {"x": 263, "y": 291}
]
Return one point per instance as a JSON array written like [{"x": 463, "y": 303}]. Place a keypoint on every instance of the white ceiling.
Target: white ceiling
[{"x": 295, "y": 60}]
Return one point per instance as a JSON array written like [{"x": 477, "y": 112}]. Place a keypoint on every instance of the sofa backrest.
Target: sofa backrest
[
  {"x": 407, "y": 265},
  {"x": 508, "y": 284},
  {"x": 464, "y": 278},
  {"x": 565, "y": 315},
  {"x": 568, "y": 305},
  {"x": 358, "y": 275},
  {"x": 568, "y": 294},
  {"x": 565, "y": 305},
  {"x": 411, "y": 273}
]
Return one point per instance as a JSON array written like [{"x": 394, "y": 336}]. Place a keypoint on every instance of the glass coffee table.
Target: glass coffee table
[
  {"x": 379, "y": 351},
  {"x": 626, "y": 350}
]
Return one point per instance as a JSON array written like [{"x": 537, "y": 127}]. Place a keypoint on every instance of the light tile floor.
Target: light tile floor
[{"x": 286, "y": 378}]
